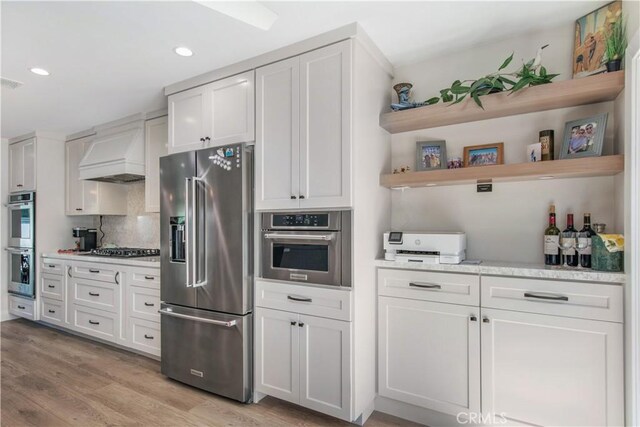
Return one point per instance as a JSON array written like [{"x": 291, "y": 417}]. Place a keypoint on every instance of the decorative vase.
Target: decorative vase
[{"x": 614, "y": 65}]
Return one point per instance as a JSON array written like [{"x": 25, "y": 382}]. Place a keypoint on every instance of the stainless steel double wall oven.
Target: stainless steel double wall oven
[{"x": 21, "y": 244}]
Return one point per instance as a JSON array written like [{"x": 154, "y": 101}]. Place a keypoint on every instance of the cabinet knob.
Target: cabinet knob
[
  {"x": 206, "y": 138},
  {"x": 78, "y": 209},
  {"x": 293, "y": 197},
  {"x": 19, "y": 185},
  {"x": 301, "y": 196},
  {"x": 293, "y": 323},
  {"x": 202, "y": 140},
  {"x": 485, "y": 320},
  {"x": 301, "y": 324},
  {"x": 473, "y": 318}
]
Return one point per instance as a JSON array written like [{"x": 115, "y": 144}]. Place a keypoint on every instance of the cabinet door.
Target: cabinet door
[
  {"x": 81, "y": 196},
  {"x": 29, "y": 165},
  {"x": 549, "y": 370},
  {"x": 22, "y": 166},
  {"x": 429, "y": 354},
  {"x": 277, "y": 354},
  {"x": 325, "y": 365},
  {"x": 325, "y": 127},
  {"x": 232, "y": 110},
  {"x": 189, "y": 119},
  {"x": 155, "y": 137},
  {"x": 277, "y": 135},
  {"x": 15, "y": 167}
]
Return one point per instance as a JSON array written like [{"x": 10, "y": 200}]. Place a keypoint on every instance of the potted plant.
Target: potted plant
[{"x": 615, "y": 44}]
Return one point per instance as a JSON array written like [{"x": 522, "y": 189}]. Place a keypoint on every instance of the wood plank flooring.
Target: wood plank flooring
[{"x": 50, "y": 378}]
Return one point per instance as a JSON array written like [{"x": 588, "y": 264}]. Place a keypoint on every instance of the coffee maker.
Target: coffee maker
[{"x": 86, "y": 238}]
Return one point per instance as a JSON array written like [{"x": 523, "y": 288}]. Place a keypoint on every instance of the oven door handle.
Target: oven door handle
[{"x": 277, "y": 236}]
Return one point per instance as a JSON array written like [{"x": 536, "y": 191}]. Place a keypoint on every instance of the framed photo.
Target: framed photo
[
  {"x": 584, "y": 137},
  {"x": 590, "y": 39},
  {"x": 534, "y": 152},
  {"x": 484, "y": 155},
  {"x": 431, "y": 155}
]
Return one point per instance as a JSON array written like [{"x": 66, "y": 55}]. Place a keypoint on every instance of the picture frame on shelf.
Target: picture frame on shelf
[
  {"x": 484, "y": 155},
  {"x": 584, "y": 137},
  {"x": 590, "y": 36},
  {"x": 534, "y": 152},
  {"x": 431, "y": 155}
]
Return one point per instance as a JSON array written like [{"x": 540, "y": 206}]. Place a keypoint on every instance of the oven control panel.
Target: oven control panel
[{"x": 300, "y": 220}]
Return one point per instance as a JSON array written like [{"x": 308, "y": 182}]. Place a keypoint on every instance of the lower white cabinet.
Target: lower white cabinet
[
  {"x": 551, "y": 370},
  {"x": 98, "y": 323},
  {"x": 429, "y": 354},
  {"x": 22, "y": 307},
  {"x": 305, "y": 360},
  {"x": 52, "y": 311},
  {"x": 144, "y": 335}
]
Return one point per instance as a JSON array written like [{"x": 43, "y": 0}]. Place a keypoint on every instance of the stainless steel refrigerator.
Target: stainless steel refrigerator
[{"x": 207, "y": 269}]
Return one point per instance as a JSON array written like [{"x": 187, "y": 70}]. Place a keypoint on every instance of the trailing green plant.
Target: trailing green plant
[
  {"x": 532, "y": 73},
  {"x": 616, "y": 41}
]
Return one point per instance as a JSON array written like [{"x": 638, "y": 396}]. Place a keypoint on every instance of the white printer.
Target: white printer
[{"x": 428, "y": 248}]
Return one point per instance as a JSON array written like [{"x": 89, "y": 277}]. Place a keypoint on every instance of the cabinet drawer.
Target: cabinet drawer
[
  {"x": 96, "y": 323},
  {"x": 144, "y": 303},
  {"x": 145, "y": 335},
  {"x": 145, "y": 277},
  {"x": 322, "y": 302},
  {"x": 99, "y": 295},
  {"x": 52, "y": 311},
  {"x": 431, "y": 286},
  {"x": 99, "y": 272},
  {"x": 22, "y": 307},
  {"x": 597, "y": 301},
  {"x": 52, "y": 286},
  {"x": 53, "y": 266}
]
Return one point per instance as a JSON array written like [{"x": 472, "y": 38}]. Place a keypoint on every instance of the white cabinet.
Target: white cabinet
[
  {"x": 155, "y": 142},
  {"x": 303, "y": 130},
  {"x": 305, "y": 360},
  {"x": 90, "y": 197},
  {"x": 551, "y": 370},
  {"x": 218, "y": 113},
  {"x": 429, "y": 354},
  {"x": 22, "y": 166}
]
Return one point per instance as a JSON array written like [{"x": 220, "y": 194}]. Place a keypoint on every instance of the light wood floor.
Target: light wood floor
[{"x": 50, "y": 378}]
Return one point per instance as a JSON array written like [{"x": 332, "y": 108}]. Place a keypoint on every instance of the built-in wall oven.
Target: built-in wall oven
[
  {"x": 21, "y": 244},
  {"x": 308, "y": 247}
]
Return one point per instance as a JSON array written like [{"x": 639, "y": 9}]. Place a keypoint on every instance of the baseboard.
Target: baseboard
[
  {"x": 365, "y": 414},
  {"x": 413, "y": 413}
]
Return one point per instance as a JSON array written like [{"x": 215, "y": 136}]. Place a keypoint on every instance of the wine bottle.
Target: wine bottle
[
  {"x": 546, "y": 144},
  {"x": 568, "y": 241},
  {"x": 551, "y": 240},
  {"x": 584, "y": 241}
]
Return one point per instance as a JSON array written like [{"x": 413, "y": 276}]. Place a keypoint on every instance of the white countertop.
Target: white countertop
[
  {"x": 495, "y": 268},
  {"x": 149, "y": 262}
]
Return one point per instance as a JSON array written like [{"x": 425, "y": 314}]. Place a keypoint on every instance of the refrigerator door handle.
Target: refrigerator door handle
[
  {"x": 194, "y": 233},
  {"x": 228, "y": 324},
  {"x": 187, "y": 227}
]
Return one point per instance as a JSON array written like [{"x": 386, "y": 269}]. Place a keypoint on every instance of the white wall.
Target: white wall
[{"x": 508, "y": 223}]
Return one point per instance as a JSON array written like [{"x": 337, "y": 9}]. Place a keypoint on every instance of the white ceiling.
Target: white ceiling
[{"x": 111, "y": 59}]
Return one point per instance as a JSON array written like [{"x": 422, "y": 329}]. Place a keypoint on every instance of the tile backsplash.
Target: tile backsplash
[{"x": 138, "y": 229}]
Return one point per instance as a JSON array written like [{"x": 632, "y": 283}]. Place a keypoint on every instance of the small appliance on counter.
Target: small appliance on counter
[
  {"x": 86, "y": 238},
  {"x": 428, "y": 248}
]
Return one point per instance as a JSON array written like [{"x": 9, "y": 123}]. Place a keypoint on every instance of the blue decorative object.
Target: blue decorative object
[{"x": 403, "y": 89}]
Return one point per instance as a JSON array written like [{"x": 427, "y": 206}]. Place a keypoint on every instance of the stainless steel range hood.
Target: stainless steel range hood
[{"x": 115, "y": 155}]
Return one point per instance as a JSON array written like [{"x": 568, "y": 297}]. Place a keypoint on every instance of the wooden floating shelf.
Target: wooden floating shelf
[
  {"x": 556, "y": 169},
  {"x": 567, "y": 93}
]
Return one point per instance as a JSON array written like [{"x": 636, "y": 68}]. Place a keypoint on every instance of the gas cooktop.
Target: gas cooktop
[{"x": 124, "y": 252}]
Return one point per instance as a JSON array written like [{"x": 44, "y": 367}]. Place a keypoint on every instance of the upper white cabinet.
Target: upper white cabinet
[
  {"x": 218, "y": 113},
  {"x": 90, "y": 197},
  {"x": 548, "y": 370},
  {"x": 155, "y": 141},
  {"x": 303, "y": 130},
  {"x": 22, "y": 166}
]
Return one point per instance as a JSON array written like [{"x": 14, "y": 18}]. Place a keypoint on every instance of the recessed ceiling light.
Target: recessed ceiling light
[
  {"x": 39, "y": 71},
  {"x": 183, "y": 51}
]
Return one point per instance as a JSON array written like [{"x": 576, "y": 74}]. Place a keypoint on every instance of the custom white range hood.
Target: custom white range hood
[{"x": 115, "y": 155}]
